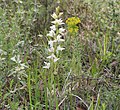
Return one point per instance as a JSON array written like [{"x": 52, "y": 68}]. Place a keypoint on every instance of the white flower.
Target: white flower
[
  {"x": 61, "y": 30},
  {"x": 16, "y": 59},
  {"x": 58, "y": 22},
  {"x": 23, "y": 65},
  {"x": 60, "y": 14},
  {"x": 52, "y": 56},
  {"x": 54, "y": 15},
  {"x": 47, "y": 65},
  {"x": 53, "y": 27},
  {"x": 51, "y": 33},
  {"x": 56, "y": 33},
  {"x": 50, "y": 43},
  {"x": 40, "y": 35},
  {"x": 59, "y": 39},
  {"x": 51, "y": 49},
  {"x": 59, "y": 48},
  {"x": 19, "y": 68},
  {"x": 56, "y": 59}
]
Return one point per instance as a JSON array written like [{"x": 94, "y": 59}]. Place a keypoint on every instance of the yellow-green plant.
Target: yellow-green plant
[{"x": 72, "y": 24}]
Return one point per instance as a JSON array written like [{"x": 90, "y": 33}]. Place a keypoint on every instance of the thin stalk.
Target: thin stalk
[{"x": 29, "y": 89}]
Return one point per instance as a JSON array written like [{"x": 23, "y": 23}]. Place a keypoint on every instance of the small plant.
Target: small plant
[
  {"x": 54, "y": 47},
  {"x": 72, "y": 24},
  {"x": 55, "y": 38}
]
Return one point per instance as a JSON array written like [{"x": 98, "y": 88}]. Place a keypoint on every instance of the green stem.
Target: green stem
[{"x": 29, "y": 89}]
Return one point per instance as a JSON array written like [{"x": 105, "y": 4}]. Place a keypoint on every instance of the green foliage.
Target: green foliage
[{"x": 87, "y": 76}]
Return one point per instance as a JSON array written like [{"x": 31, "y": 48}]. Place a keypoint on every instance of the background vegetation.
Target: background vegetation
[{"x": 87, "y": 77}]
